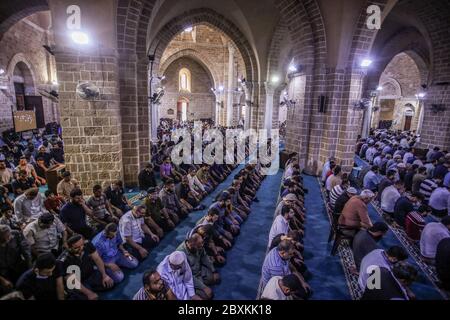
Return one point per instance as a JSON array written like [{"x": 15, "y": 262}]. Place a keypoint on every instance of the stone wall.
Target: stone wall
[
  {"x": 201, "y": 100},
  {"x": 22, "y": 43}
]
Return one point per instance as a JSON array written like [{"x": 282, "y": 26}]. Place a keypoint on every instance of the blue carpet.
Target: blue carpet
[
  {"x": 133, "y": 278},
  {"x": 242, "y": 272},
  {"x": 327, "y": 281}
]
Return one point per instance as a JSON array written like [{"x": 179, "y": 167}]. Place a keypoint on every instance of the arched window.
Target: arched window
[{"x": 185, "y": 80}]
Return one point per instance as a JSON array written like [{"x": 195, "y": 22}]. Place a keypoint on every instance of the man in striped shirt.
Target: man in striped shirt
[
  {"x": 337, "y": 191},
  {"x": 427, "y": 187}
]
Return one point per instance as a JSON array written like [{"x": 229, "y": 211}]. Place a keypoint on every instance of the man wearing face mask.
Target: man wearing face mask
[
  {"x": 177, "y": 274},
  {"x": 170, "y": 200},
  {"x": 365, "y": 241},
  {"x": 22, "y": 183},
  {"x": 382, "y": 259},
  {"x": 6, "y": 176},
  {"x": 44, "y": 235},
  {"x": 82, "y": 254},
  {"x": 137, "y": 237},
  {"x": 164, "y": 218},
  {"x": 202, "y": 268},
  {"x": 277, "y": 263},
  {"x": 154, "y": 288},
  {"x": 44, "y": 281}
]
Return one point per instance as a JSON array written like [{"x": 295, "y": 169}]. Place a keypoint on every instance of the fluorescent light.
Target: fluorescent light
[
  {"x": 2, "y": 71},
  {"x": 80, "y": 37},
  {"x": 188, "y": 29},
  {"x": 292, "y": 68},
  {"x": 379, "y": 88},
  {"x": 421, "y": 95},
  {"x": 366, "y": 62},
  {"x": 275, "y": 79},
  {"x": 220, "y": 88},
  {"x": 55, "y": 83}
]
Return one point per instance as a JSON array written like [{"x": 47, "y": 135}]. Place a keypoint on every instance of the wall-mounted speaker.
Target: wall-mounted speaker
[{"x": 322, "y": 104}]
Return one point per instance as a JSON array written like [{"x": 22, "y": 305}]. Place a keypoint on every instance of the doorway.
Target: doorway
[{"x": 182, "y": 109}]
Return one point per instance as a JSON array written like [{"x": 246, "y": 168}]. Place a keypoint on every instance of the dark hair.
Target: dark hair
[
  {"x": 291, "y": 281},
  {"x": 285, "y": 210},
  {"x": 45, "y": 261},
  {"x": 76, "y": 192},
  {"x": 168, "y": 181},
  {"x": 446, "y": 221},
  {"x": 146, "y": 277},
  {"x": 418, "y": 195},
  {"x": 66, "y": 174},
  {"x": 96, "y": 187},
  {"x": 74, "y": 239},
  {"x": 375, "y": 168},
  {"x": 391, "y": 173},
  {"x": 213, "y": 212},
  {"x": 285, "y": 245},
  {"x": 379, "y": 227},
  {"x": 404, "y": 271},
  {"x": 337, "y": 170},
  {"x": 48, "y": 193},
  {"x": 111, "y": 227},
  {"x": 422, "y": 169},
  {"x": 397, "y": 252}
]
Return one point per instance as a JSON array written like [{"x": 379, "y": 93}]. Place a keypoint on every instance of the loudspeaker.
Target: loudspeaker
[{"x": 322, "y": 104}]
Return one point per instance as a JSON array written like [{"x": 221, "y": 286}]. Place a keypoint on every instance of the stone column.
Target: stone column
[
  {"x": 91, "y": 128},
  {"x": 248, "y": 104},
  {"x": 231, "y": 83},
  {"x": 270, "y": 90}
]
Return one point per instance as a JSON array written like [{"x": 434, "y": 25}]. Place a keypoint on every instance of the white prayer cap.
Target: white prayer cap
[
  {"x": 176, "y": 258},
  {"x": 366, "y": 194},
  {"x": 352, "y": 190}
]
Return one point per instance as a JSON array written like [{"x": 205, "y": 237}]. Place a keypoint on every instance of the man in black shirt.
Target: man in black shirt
[
  {"x": 443, "y": 263},
  {"x": 147, "y": 178},
  {"x": 82, "y": 254},
  {"x": 394, "y": 285},
  {"x": 404, "y": 205},
  {"x": 73, "y": 214},
  {"x": 15, "y": 257},
  {"x": 116, "y": 196},
  {"x": 44, "y": 281},
  {"x": 22, "y": 183},
  {"x": 41, "y": 168},
  {"x": 365, "y": 241},
  {"x": 343, "y": 199},
  {"x": 57, "y": 152}
]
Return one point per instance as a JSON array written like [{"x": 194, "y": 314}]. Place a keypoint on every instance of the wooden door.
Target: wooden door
[
  {"x": 408, "y": 120},
  {"x": 35, "y": 103}
]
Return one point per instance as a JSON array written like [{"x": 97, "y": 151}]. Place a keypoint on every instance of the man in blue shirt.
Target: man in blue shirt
[
  {"x": 110, "y": 248},
  {"x": 371, "y": 179},
  {"x": 277, "y": 263}
]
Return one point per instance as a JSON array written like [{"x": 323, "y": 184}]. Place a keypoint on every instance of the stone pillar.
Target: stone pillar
[
  {"x": 91, "y": 128},
  {"x": 270, "y": 90},
  {"x": 248, "y": 105},
  {"x": 231, "y": 83}
]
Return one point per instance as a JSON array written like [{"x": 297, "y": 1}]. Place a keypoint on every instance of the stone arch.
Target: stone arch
[
  {"x": 27, "y": 69},
  {"x": 393, "y": 86},
  {"x": 18, "y": 10},
  {"x": 214, "y": 20},
  {"x": 195, "y": 55}
]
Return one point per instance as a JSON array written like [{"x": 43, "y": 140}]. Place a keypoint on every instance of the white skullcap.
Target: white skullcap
[
  {"x": 352, "y": 190},
  {"x": 367, "y": 194},
  {"x": 176, "y": 258}
]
